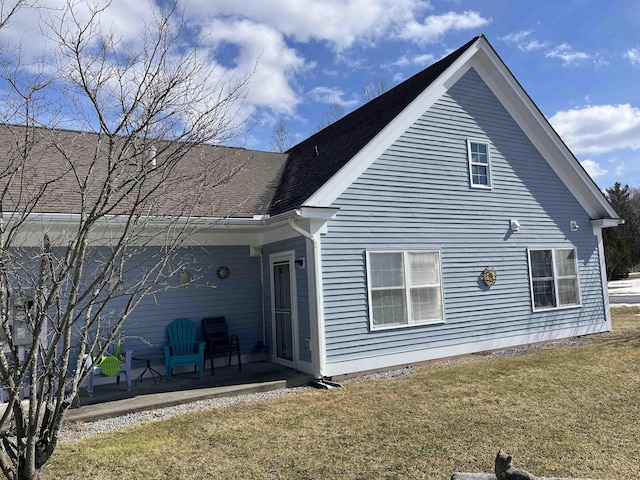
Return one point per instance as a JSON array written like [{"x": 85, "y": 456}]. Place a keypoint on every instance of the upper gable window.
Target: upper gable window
[{"x": 479, "y": 164}]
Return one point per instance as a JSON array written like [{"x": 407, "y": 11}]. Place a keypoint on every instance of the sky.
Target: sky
[{"x": 579, "y": 60}]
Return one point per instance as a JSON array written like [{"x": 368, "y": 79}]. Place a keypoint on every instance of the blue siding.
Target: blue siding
[
  {"x": 237, "y": 298},
  {"x": 297, "y": 244},
  {"x": 417, "y": 195}
]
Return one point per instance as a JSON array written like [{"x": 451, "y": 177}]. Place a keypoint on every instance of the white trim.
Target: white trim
[
  {"x": 554, "y": 279},
  {"x": 423, "y": 355},
  {"x": 289, "y": 257},
  {"x": 316, "y": 295},
  {"x": 471, "y": 163},
  {"x": 603, "y": 274},
  {"x": 606, "y": 223}
]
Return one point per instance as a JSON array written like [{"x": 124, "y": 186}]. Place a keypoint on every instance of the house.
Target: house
[{"x": 444, "y": 217}]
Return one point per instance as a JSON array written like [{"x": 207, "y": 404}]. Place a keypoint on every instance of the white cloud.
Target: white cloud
[
  {"x": 532, "y": 45},
  {"x": 516, "y": 37},
  {"x": 331, "y": 95},
  {"x": 420, "y": 60},
  {"x": 600, "y": 128},
  {"x": 435, "y": 26},
  {"x": 593, "y": 168},
  {"x": 563, "y": 51},
  {"x": 341, "y": 23},
  {"x": 633, "y": 55},
  {"x": 567, "y": 54},
  {"x": 522, "y": 41},
  {"x": 261, "y": 47},
  {"x": 264, "y": 35}
]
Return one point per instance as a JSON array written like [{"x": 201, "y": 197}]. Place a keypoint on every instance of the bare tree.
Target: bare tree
[
  {"x": 145, "y": 123},
  {"x": 334, "y": 112},
  {"x": 280, "y": 137},
  {"x": 374, "y": 88}
]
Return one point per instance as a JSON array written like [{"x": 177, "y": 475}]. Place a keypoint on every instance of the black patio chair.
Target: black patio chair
[{"x": 218, "y": 340}]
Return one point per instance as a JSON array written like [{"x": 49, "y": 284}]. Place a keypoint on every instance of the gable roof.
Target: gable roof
[
  {"x": 320, "y": 168},
  {"x": 315, "y": 160}
]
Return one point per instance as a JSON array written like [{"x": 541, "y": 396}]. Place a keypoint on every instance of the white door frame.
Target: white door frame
[{"x": 289, "y": 258}]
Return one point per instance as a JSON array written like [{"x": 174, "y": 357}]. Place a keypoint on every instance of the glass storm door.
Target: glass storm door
[{"x": 283, "y": 311}]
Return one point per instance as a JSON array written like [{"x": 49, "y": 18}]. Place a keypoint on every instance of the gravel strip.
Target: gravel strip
[{"x": 80, "y": 431}]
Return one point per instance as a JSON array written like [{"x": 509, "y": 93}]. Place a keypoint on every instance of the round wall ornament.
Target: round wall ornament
[
  {"x": 223, "y": 272},
  {"x": 489, "y": 276}
]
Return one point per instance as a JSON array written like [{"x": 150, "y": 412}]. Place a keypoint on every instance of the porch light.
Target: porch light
[{"x": 515, "y": 225}]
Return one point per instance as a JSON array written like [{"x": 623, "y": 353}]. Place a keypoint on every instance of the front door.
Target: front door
[{"x": 284, "y": 309}]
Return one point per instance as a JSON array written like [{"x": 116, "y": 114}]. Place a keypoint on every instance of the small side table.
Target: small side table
[{"x": 149, "y": 358}]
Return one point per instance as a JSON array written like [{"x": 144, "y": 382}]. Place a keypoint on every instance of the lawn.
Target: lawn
[{"x": 568, "y": 411}]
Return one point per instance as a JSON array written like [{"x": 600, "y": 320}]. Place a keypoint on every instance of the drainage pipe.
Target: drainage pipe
[{"x": 317, "y": 327}]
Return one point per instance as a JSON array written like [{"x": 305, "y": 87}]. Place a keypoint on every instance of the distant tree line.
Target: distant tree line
[{"x": 622, "y": 244}]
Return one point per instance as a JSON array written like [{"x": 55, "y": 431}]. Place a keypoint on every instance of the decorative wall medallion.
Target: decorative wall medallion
[
  {"x": 223, "y": 272},
  {"x": 489, "y": 276}
]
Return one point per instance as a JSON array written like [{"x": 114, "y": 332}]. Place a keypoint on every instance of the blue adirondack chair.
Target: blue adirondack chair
[{"x": 183, "y": 348}]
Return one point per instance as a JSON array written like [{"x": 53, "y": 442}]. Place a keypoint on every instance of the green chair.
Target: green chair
[
  {"x": 183, "y": 348},
  {"x": 109, "y": 365}
]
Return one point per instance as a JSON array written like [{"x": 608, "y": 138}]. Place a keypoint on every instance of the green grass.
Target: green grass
[{"x": 570, "y": 410}]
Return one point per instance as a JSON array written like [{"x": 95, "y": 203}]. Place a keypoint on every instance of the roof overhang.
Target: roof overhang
[
  {"x": 157, "y": 231},
  {"x": 606, "y": 222}
]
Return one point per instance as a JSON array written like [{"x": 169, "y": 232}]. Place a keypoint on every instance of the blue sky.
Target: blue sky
[{"x": 579, "y": 60}]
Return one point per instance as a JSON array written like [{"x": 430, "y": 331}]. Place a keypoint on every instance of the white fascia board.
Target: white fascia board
[
  {"x": 526, "y": 114},
  {"x": 349, "y": 173},
  {"x": 318, "y": 213},
  {"x": 606, "y": 222},
  {"x": 203, "y": 230},
  {"x": 121, "y": 220}
]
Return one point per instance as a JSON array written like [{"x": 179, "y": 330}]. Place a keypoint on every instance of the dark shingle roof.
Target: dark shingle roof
[{"x": 307, "y": 171}]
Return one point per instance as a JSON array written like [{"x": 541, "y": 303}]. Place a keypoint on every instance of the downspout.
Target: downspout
[{"x": 319, "y": 367}]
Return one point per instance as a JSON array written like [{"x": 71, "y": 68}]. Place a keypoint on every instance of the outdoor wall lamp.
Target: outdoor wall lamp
[{"x": 515, "y": 225}]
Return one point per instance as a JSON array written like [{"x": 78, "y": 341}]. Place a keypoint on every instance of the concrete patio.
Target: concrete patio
[{"x": 111, "y": 400}]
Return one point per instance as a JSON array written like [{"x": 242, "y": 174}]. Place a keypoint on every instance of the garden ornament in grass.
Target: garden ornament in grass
[{"x": 505, "y": 470}]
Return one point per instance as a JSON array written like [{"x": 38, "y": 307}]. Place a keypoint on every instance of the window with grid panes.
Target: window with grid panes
[
  {"x": 404, "y": 288},
  {"x": 554, "y": 278}
]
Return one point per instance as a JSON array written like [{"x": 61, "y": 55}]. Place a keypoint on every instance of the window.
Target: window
[
  {"x": 554, "y": 278},
  {"x": 404, "y": 288},
  {"x": 479, "y": 164}
]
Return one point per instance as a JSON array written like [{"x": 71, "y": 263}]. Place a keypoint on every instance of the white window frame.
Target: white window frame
[
  {"x": 555, "y": 278},
  {"x": 407, "y": 290},
  {"x": 489, "y": 184}
]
